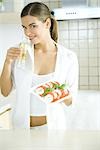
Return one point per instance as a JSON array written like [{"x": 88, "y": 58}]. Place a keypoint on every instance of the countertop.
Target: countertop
[{"x": 49, "y": 140}]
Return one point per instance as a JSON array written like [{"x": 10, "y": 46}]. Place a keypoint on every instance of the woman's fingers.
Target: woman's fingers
[{"x": 13, "y": 53}]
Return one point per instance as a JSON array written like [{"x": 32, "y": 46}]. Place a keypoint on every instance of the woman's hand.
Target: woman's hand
[
  {"x": 68, "y": 100},
  {"x": 12, "y": 54}
]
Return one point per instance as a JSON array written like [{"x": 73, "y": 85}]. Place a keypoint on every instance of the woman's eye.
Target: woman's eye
[
  {"x": 24, "y": 27},
  {"x": 34, "y": 26}
]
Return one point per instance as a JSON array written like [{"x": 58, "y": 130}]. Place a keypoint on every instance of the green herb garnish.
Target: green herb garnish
[
  {"x": 62, "y": 86},
  {"x": 47, "y": 90},
  {"x": 55, "y": 87}
]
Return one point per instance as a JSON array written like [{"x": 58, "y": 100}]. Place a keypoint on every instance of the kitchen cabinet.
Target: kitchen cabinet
[
  {"x": 5, "y": 119},
  {"x": 11, "y": 15},
  {"x": 6, "y": 110}
]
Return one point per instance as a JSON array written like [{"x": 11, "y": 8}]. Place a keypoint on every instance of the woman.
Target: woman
[{"x": 46, "y": 60}]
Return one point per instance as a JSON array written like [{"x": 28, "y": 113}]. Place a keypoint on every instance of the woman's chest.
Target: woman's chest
[{"x": 44, "y": 63}]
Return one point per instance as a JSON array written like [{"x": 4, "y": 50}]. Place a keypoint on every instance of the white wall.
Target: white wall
[{"x": 10, "y": 34}]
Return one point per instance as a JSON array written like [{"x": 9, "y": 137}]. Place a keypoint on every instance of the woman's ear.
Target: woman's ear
[{"x": 48, "y": 23}]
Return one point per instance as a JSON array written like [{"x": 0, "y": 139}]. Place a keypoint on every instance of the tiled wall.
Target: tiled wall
[{"x": 82, "y": 37}]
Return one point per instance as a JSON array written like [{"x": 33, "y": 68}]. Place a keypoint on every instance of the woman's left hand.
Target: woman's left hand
[{"x": 68, "y": 100}]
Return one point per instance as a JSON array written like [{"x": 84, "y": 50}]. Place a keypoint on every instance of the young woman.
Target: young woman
[{"x": 45, "y": 60}]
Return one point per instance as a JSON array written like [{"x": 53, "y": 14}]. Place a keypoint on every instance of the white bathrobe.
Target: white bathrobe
[{"x": 66, "y": 70}]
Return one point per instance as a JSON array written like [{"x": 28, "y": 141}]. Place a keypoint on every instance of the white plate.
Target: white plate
[{"x": 32, "y": 90}]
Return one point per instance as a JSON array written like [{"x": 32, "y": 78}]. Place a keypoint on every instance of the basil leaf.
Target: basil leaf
[{"x": 47, "y": 90}]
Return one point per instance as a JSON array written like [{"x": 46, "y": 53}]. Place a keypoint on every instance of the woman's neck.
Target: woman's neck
[{"x": 46, "y": 46}]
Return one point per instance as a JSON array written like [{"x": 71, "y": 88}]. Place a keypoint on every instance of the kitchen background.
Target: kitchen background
[{"x": 81, "y": 36}]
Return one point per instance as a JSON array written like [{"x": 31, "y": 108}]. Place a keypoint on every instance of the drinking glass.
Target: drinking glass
[{"x": 23, "y": 54}]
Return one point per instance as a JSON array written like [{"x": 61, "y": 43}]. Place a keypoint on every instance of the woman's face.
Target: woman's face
[{"x": 34, "y": 29}]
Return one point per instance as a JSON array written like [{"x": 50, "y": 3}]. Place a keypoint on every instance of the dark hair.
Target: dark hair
[{"x": 42, "y": 12}]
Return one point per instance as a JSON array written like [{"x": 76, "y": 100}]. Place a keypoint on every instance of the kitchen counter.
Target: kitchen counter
[{"x": 49, "y": 140}]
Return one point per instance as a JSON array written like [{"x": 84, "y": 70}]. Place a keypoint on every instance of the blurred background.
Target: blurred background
[{"x": 81, "y": 35}]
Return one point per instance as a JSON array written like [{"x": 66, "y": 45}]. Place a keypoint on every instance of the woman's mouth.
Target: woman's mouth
[
  {"x": 33, "y": 40},
  {"x": 30, "y": 38}
]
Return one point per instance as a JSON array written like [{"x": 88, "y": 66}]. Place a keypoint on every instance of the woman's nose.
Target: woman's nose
[{"x": 28, "y": 32}]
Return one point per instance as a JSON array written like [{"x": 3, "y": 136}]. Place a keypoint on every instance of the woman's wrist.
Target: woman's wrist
[{"x": 8, "y": 62}]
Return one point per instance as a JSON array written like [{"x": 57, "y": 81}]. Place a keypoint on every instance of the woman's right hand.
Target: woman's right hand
[{"x": 12, "y": 54}]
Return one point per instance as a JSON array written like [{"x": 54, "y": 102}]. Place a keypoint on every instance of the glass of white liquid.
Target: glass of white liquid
[{"x": 23, "y": 55}]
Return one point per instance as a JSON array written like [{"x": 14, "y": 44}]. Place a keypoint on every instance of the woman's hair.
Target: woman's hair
[{"x": 42, "y": 12}]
